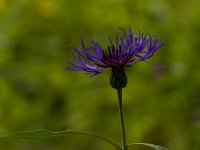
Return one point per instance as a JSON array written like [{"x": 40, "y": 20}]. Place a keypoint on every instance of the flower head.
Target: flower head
[{"x": 129, "y": 49}]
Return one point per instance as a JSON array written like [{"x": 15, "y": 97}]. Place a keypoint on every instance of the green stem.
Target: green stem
[{"x": 121, "y": 115}]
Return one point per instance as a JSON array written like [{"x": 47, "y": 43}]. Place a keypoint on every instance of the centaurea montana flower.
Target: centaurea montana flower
[{"x": 129, "y": 49}]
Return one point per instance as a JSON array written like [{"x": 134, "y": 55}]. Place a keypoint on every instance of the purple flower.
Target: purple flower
[{"x": 128, "y": 49}]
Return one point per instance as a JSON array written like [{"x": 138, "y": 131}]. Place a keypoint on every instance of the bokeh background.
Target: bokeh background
[{"x": 162, "y": 105}]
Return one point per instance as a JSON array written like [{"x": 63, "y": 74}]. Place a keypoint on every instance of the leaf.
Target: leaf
[
  {"x": 156, "y": 147},
  {"x": 45, "y": 134}
]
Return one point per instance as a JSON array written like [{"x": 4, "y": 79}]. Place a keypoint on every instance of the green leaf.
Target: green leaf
[
  {"x": 45, "y": 134},
  {"x": 156, "y": 147}
]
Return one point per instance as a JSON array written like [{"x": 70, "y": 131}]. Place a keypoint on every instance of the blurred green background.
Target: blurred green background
[{"x": 162, "y": 106}]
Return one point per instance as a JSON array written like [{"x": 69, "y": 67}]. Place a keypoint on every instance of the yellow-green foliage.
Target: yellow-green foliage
[{"x": 36, "y": 92}]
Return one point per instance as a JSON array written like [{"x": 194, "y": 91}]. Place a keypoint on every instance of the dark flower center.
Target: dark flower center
[
  {"x": 115, "y": 57},
  {"x": 111, "y": 54}
]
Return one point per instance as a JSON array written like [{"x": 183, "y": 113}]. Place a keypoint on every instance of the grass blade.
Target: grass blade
[
  {"x": 156, "y": 147},
  {"x": 45, "y": 134}
]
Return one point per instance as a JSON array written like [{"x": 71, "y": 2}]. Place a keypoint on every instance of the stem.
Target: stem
[{"x": 121, "y": 115}]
